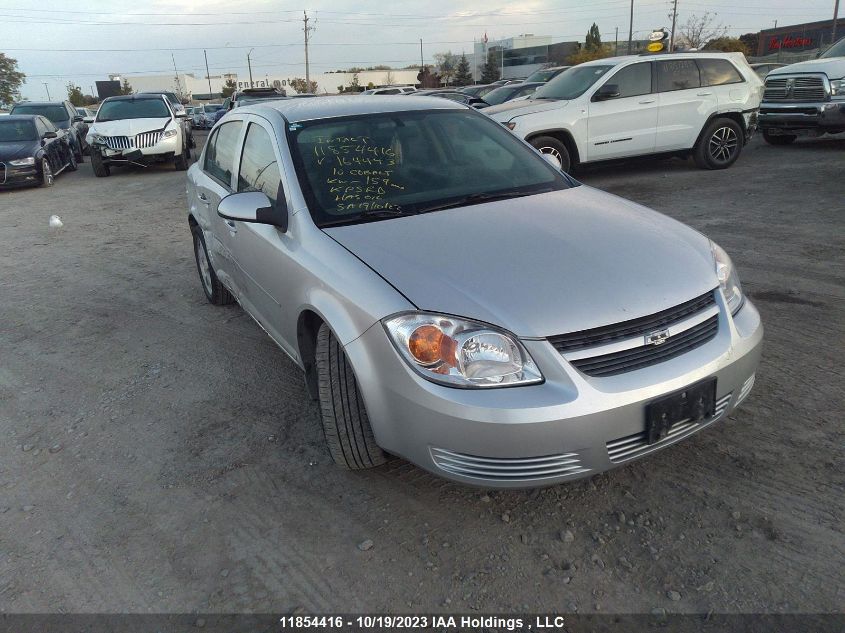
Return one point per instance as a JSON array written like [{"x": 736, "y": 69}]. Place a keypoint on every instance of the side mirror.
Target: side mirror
[
  {"x": 607, "y": 91},
  {"x": 77, "y": 119},
  {"x": 50, "y": 135},
  {"x": 88, "y": 119},
  {"x": 255, "y": 206}
]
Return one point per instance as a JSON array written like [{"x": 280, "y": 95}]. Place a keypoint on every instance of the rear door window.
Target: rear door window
[
  {"x": 677, "y": 74},
  {"x": 718, "y": 72},
  {"x": 220, "y": 155}
]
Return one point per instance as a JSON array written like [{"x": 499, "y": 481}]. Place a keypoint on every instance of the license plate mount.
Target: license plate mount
[{"x": 694, "y": 403}]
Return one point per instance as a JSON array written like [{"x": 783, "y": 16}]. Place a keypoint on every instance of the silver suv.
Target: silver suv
[{"x": 454, "y": 299}]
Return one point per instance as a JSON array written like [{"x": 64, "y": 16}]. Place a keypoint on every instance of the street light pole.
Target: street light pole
[
  {"x": 48, "y": 90},
  {"x": 207, "y": 74},
  {"x": 835, "y": 16},
  {"x": 249, "y": 65},
  {"x": 674, "y": 18}
]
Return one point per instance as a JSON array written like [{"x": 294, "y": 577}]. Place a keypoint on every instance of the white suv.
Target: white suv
[
  {"x": 138, "y": 130},
  {"x": 704, "y": 104}
]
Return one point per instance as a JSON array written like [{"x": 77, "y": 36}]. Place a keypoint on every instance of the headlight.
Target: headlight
[
  {"x": 461, "y": 353},
  {"x": 169, "y": 134},
  {"x": 728, "y": 278},
  {"x": 22, "y": 162},
  {"x": 837, "y": 88},
  {"x": 94, "y": 138}
]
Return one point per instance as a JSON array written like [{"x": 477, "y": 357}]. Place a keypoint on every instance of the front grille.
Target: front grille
[
  {"x": 3, "y": 180},
  {"x": 118, "y": 142},
  {"x": 147, "y": 139},
  {"x": 645, "y": 355},
  {"x": 636, "y": 445},
  {"x": 634, "y": 327},
  {"x": 508, "y": 468},
  {"x": 808, "y": 88},
  {"x": 812, "y": 111}
]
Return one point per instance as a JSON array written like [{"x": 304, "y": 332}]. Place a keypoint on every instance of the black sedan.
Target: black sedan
[
  {"x": 64, "y": 116},
  {"x": 452, "y": 95},
  {"x": 32, "y": 151}
]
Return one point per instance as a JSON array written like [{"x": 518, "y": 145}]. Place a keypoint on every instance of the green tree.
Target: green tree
[
  {"x": 751, "y": 40},
  {"x": 301, "y": 86},
  {"x": 490, "y": 71},
  {"x": 74, "y": 95},
  {"x": 10, "y": 81},
  {"x": 447, "y": 63},
  {"x": 126, "y": 88},
  {"x": 228, "y": 88},
  {"x": 428, "y": 79},
  {"x": 728, "y": 45},
  {"x": 584, "y": 54},
  {"x": 463, "y": 76},
  {"x": 352, "y": 87},
  {"x": 593, "y": 39}
]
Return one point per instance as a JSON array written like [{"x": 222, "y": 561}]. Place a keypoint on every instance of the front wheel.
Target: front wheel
[
  {"x": 80, "y": 158},
  {"x": 47, "y": 177},
  {"x": 101, "y": 169},
  {"x": 556, "y": 149},
  {"x": 778, "y": 139},
  {"x": 215, "y": 292},
  {"x": 180, "y": 162},
  {"x": 72, "y": 165},
  {"x": 349, "y": 435},
  {"x": 720, "y": 144}
]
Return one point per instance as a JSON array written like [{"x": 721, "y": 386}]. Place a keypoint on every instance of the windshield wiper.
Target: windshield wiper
[
  {"x": 395, "y": 212},
  {"x": 478, "y": 198}
]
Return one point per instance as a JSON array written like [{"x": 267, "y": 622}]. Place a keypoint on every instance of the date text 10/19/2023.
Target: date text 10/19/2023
[{"x": 337, "y": 622}]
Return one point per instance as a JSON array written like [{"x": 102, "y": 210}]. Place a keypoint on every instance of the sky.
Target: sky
[{"x": 57, "y": 41}]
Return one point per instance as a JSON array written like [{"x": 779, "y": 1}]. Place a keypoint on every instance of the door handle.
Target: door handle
[
  {"x": 202, "y": 197},
  {"x": 231, "y": 224},
  {"x": 704, "y": 94},
  {"x": 647, "y": 101}
]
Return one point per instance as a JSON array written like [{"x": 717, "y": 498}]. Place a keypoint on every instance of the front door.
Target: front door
[{"x": 625, "y": 125}]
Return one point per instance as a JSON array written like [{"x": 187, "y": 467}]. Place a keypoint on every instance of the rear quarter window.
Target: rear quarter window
[{"x": 718, "y": 72}]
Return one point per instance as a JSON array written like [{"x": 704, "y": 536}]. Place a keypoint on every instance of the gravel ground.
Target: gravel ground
[{"x": 161, "y": 455}]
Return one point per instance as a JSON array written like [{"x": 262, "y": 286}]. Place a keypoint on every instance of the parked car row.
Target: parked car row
[{"x": 33, "y": 151}]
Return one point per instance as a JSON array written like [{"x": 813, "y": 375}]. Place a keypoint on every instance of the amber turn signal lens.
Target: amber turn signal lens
[{"x": 429, "y": 345}]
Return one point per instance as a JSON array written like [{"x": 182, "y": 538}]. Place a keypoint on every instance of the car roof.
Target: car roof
[
  {"x": 21, "y": 117},
  {"x": 140, "y": 95},
  {"x": 331, "y": 107},
  {"x": 39, "y": 103}
]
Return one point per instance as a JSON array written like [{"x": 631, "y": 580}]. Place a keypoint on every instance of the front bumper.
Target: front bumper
[
  {"x": 163, "y": 151},
  {"x": 802, "y": 117},
  {"x": 11, "y": 176},
  {"x": 569, "y": 427}
]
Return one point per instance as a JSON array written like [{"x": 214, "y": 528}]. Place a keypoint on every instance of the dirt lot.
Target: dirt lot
[{"x": 160, "y": 454}]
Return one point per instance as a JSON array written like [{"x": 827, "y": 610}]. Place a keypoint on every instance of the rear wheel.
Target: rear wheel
[
  {"x": 80, "y": 158},
  {"x": 778, "y": 139},
  {"x": 72, "y": 165},
  {"x": 47, "y": 177},
  {"x": 720, "y": 144},
  {"x": 181, "y": 160},
  {"x": 215, "y": 292},
  {"x": 554, "y": 148},
  {"x": 349, "y": 435},
  {"x": 101, "y": 169}
]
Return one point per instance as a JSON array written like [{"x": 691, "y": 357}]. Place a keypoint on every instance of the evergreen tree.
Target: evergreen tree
[
  {"x": 490, "y": 71},
  {"x": 75, "y": 96},
  {"x": 463, "y": 76},
  {"x": 593, "y": 40},
  {"x": 126, "y": 88}
]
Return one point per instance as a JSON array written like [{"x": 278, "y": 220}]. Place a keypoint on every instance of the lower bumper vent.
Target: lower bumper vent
[
  {"x": 632, "y": 446},
  {"x": 508, "y": 468}
]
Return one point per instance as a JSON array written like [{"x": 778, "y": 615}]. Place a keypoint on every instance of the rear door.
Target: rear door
[
  {"x": 722, "y": 77},
  {"x": 263, "y": 252},
  {"x": 213, "y": 182},
  {"x": 684, "y": 105},
  {"x": 625, "y": 125}
]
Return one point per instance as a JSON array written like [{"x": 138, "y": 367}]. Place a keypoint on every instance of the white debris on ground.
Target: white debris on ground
[{"x": 56, "y": 222}]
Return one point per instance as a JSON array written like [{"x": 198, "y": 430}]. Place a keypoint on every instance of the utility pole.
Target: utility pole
[
  {"x": 207, "y": 74},
  {"x": 48, "y": 90},
  {"x": 835, "y": 16},
  {"x": 307, "y": 30},
  {"x": 178, "y": 85},
  {"x": 422, "y": 63},
  {"x": 631, "y": 28},
  {"x": 249, "y": 65},
  {"x": 616, "y": 40},
  {"x": 674, "y": 18}
]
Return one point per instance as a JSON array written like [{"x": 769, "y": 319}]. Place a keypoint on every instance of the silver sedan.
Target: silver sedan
[{"x": 454, "y": 299}]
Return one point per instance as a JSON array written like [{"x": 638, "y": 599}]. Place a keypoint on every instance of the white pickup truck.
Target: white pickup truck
[{"x": 805, "y": 99}]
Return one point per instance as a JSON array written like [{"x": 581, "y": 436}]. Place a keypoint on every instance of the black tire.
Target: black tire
[
  {"x": 349, "y": 435},
  {"x": 47, "y": 177},
  {"x": 214, "y": 291},
  {"x": 719, "y": 145},
  {"x": 72, "y": 165},
  {"x": 778, "y": 139},
  {"x": 180, "y": 162},
  {"x": 80, "y": 156},
  {"x": 101, "y": 170},
  {"x": 558, "y": 149}
]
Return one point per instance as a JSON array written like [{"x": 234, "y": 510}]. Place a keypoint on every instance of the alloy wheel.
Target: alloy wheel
[
  {"x": 723, "y": 144},
  {"x": 204, "y": 266},
  {"x": 47, "y": 172},
  {"x": 551, "y": 151}
]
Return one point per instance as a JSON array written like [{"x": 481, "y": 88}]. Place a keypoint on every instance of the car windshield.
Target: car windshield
[
  {"x": 213, "y": 107},
  {"x": 365, "y": 167},
  {"x": 11, "y": 131},
  {"x": 541, "y": 75},
  {"x": 500, "y": 95},
  {"x": 56, "y": 113},
  {"x": 120, "y": 109},
  {"x": 837, "y": 50},
  {"x": 571, "y": 83}
]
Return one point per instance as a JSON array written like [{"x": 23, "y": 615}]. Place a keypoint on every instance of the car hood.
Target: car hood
[
  {"x": 12, "y": 150},
  {"x": 542, "y": 265},
  {"x": 834, "y": 67},
  {"x": 510, "y": 109},
  {"x": 127, "y": 127}
]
